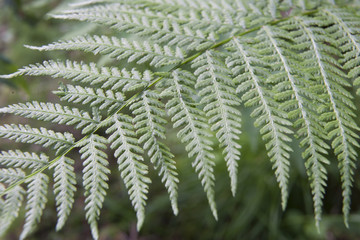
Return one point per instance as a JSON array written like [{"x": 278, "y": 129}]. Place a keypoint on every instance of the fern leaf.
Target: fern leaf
[
  {"x": 53, "y": 113},
  {"x": 23, "y": 160},
  {"x": 42, "y": 136},
  {"x": 133, "y": 171},
  {"x": 347, "y": 33},
  {"x": 130, "y": 80},
  {"x": 36, "y": 201},
  {"x": 157, "y": 30},
  {"x": 345, "y": 22},
  {"x": 282, "y": 62},
  {"x": 273, "y": 5},
  {"x": 83, "y": 73},
  {"x": 198, "y": 5},
  {"x": 193, "y": 130},
  {"x": 338, "y": 113},
  {"x": 64, "y": 188},
  {"x": 220, "y": 102},
  {"x": 149, "y": 123},
  {"x": 11, "y": 175},
  {"x": 113, "y": 77},
  {"x": 292, "y": 61},
  {"x": 311, "y": 129},
  {"x": 131, "y": 50},
  {"x": 95, "y": 177},
  {"x": 251, "y": 76},
  {"x": 177, "y": 14},
  {"x": 226, "y": 17},
  {"x": 99, "y": 98},
  {"x": 11, "y": 208}
]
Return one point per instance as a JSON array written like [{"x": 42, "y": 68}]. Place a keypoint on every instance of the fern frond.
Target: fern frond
[
  {"x": 193, "y": 129},
  {"x": 227, "y": 17},
  {"x": 220, "y": 102},
  {"x": 157, "y": 31},
  {"x": 95, "y": 177},
  {"x": 53, "y": 113},
  {"x": 94, "y": 97},
  {"x": 292, "y": 61},
  {"x": 346, "y": 22},
  {"x": 338, "y": 112},
  {"x": 131, "y": 50},
  {"x": 275, "y": 46},
  {"x": 64, "y": 188},
  {"x": 133, "y": 171},
  {"x": 177, "y": 15},
  {"x": 36, "y": 201},
  {"x": 19, "y": 159},
  {"x": 130, "y": 80},
  {"x": 42, "y": 136},
  {"x": 251, "y": 75},
  {"x": 273, "y": 4},
  {"x": 11, "y": 207},
  {"x": 149, "y": 125},
  {"x": 304, "y": 109},
  {"x": 185, "y": 4},
  {"x": 11, "y": 175},
  {"x": 347, "y": 32},
  {"x": 109, "y": 77}
]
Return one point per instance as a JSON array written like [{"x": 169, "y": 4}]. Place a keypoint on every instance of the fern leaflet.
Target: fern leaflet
[
  {"x": 220, "y": 102},
  {"x": 23, "y": 159},
  {"x": 53, "y": 113},
  {"x": 149, "y": 123},
  {"x": 36, "y": 200},
  {"x": 193, "y": 129},
  {"x": 128, "y": 153},
  {"x": 11, "y": 207},
  {"x": 64, "y": 188},
  {"x": 95, "y": 178}
]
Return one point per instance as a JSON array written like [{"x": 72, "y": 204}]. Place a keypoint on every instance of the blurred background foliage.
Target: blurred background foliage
[{"x": 254, "y": 213}]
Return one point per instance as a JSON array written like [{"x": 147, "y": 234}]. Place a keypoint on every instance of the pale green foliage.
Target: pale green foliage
[
  {"x": 23, "y": 159},
  {"x": 11, "y": 175},
  {"x": 149, "y": 123},
  {"x": 184, "y": 114},
  {"x": 129, "y": 156},
  {"x": 35, "y": 204},
  {"x": 42, "y": 136},
  {"x": 53, "y": 113},
  {"x": 94, "y": 177},
  {"x": 120, "y": 49},
  {"x": 250, "y": 75},
  {"x": 220, "y": 102},
  {"x": 99, "y": 98},
  {"x": 64, "y": 188},
  {"x": 10, "y": 208},
  {"x": 194, "y": 63}
]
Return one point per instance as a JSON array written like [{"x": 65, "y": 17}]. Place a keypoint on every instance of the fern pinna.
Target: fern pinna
[{"x": 197, "y": 62}]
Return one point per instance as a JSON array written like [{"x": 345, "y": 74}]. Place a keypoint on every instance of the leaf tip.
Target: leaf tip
[
  {"x": 346, "y": 221},
  {"x": 139, "y": 224},
  {"x": 33, "y": 47},
  {"x": 11, "y": 75},
  {"x": 4, "y": 110}
]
